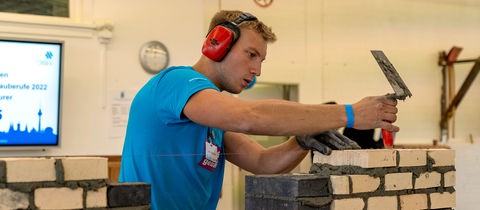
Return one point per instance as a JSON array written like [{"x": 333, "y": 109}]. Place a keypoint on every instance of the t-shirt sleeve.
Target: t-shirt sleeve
[{"x": 177, "y": 86}]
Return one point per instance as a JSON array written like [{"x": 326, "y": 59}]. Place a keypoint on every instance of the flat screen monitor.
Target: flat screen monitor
[{"x": 30, "y": 90}]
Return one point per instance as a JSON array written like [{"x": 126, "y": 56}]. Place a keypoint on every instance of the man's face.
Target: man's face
[{"x": 243, "y": 62}]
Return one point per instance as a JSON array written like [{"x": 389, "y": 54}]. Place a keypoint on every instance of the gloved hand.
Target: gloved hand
[{"x": 326, "y": 141}]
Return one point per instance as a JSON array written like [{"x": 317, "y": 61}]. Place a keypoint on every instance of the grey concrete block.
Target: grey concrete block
[
  {"x": 123, "y": 208},
  {"x": 263, "y": 203},
  {"x": 128, "y": 194},
  {"x": 287, "y": 185},
  {"x": 3, "y": 172},
  {"x": 13, "y": 200}
]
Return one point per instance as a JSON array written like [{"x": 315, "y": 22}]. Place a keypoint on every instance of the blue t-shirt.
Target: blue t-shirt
[{"x": 166, "y": 149}]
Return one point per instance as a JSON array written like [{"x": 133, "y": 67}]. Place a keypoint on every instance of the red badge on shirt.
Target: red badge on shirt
[
  {"x": 210, "y": 159},
  {"x": 212, "y": 153}
]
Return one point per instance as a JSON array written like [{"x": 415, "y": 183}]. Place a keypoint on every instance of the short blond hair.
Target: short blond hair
[{"x": 256, "y": 25}]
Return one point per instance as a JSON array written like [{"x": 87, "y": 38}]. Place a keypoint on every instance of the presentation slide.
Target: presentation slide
[{"x": 29, "y": 92}]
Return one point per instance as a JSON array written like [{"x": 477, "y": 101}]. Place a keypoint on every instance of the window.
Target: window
[{"x": 55, "y": 8}]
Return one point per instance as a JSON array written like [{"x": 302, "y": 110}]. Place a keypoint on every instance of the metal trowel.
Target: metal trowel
[{"x": 399, "y": 87}]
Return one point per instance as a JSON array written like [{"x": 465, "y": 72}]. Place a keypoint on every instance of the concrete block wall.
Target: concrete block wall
[
  {"x": 66, "y": 183},
  {"x": 397, "y": 179}
]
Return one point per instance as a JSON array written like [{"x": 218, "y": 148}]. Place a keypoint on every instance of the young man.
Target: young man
[{"x": 181, "y": 127}]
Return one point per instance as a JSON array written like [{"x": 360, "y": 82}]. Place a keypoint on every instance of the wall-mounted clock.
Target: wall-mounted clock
[
  {"x": 154, "y": 57},
  {"x": 263, "y": 3}
]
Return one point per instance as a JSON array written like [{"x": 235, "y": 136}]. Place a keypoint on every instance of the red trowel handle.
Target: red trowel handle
[{"x": 387, "y": 137}]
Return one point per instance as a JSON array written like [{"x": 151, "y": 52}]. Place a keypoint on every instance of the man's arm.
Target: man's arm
[
  {"x": 247, "y": 154},
  {"x": 286, "y": 118}
]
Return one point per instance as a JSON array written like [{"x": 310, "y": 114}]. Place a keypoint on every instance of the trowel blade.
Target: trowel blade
[{"x": 401, "y": 90}]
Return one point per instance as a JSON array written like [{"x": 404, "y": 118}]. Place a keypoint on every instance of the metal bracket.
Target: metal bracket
[{"x": 448, "y": 107}]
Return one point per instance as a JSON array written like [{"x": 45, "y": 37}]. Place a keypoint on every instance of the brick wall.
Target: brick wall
[
  {"x": 380, "y": 179},
  {"x": 66, "y": 183}
]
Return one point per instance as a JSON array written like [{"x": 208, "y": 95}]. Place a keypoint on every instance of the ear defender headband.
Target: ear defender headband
[{"x": 222, "y": 37}]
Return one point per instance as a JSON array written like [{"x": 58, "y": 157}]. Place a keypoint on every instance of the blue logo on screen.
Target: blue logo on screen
[
  {"x": 48, "y": 59},
  {"x": 49, "y": 55}
]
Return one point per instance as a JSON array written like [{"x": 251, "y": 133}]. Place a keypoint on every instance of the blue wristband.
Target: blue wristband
[{"x": 350, "y": 116}]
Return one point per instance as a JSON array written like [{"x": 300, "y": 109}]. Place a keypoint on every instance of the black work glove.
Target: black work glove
[{"x": 326, "y": 141}]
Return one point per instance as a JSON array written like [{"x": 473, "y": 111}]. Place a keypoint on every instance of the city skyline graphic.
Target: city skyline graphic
[{"x": 18, "y": 134}]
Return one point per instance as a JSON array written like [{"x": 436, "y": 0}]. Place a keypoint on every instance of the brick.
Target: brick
[
  {"x": 128, "y": 194},
  {"x": 412, "y": 157},
  {"x": 442, "y": 200},
  {"x": 442, "y": 157},
  {"x": 348, "y": 204},
  {"x": 128, "y": 208},
  {"x": 449, "y": 179},
  {"x": 3, "y": 171},
  {"x": 97, "y": 198},
  {"x": 364, "y": 183},
  {"x": 370, "y": 158},
  {"x": 85, "y": 168},
  {"x": 260, "y": 203},
  {"x": 59, "y": 198},
  {"x": 340, "y": 185},
  {"x": 382, "y": 203},
  {"x": 21, "y": 169},
  {"x": 398, "y": 181},
  {"x": 428, "y": 180},
  {"x": 413, "y": 201},
  {"x": 13, "y": 200},
  {"x": 287, "y": 185}
]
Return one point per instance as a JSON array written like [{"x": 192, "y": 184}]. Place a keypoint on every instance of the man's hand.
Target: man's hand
[
  {"x": 376, "y": 112},
  {"x": 326, "y": 141}
]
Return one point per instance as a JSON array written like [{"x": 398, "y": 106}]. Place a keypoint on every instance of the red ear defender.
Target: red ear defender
[
  {"x": 218, "y": 43},
  {"x": 222, "y": 37}
]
